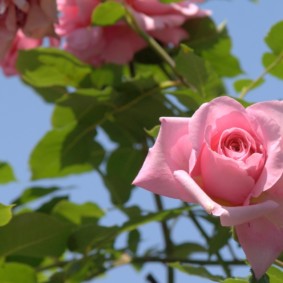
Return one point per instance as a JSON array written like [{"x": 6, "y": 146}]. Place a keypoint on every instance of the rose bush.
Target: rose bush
[
  {"x": 118, "y": 43},
  {"x": 229, "y": 160}
]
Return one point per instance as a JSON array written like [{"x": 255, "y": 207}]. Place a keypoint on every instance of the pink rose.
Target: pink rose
[
  {"x": 34, "y": 17},
  {"x": 20, "y": 42},
  {"x": 229, "y": 160},
  {"x": 118, "y": 43}
]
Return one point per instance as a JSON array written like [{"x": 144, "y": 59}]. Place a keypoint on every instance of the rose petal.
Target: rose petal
[
  {"x": 168, "y": 154},
  {"x": 225, "y": 179},
  {"x": 229, "y": 216},
  {"x": 270, "y": 129},
  {"x": 262, "y": 243}
]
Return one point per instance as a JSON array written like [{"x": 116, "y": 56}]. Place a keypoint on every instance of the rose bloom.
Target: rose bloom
[
  {"x": 118, "y": 43},
  {"x": 229, "y": 160},
  {"x": 35, "y": 18}
]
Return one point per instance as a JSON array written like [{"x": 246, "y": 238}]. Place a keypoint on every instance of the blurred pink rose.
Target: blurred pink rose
[
  {"x": 229, "y": 160},
  {"x": 35, "y": 18},
  {"x": 118, "y": 43},
  {"x": 20, "y": 42}
]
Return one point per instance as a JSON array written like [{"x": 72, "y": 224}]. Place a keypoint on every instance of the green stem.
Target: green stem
[
  {"x": 247, "y": 89},
  {"x": 206, "y": 237},
  {"x": 167, "y": 239},
  {"x": 155, "y": 46}
]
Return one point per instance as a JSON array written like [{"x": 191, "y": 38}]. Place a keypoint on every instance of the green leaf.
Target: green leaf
[
  {"x": 107, "y": 13},
  {"x": 122, "y": 167},
  {"x": 34, "y": 235},
  {"x": 219, "y": 239},
  {"x": 196, "y": 271},
  {"x": 134, "y": 238},
  {"x": 269, "y": 59},
  {"x": 153, "y": 132},
  {"x": 185, "y": 249},
  {"x": 263, "y": 279},
  {"x": 77, "y": 213},
  {"x": 5, "y": 214},
  {"x": 49, "y": 67},
  {"x": 234, "y": 280},
  {"x": 275, "y": 274},
  {"x": 192, "y": 67},
  {"x": 240, "y": 85},
  {"x": 213, "y": 44},
  {"x": 6, "y": 173},
  {"x": 15, "y": 273},
  {"x": 69, "y": 150},
  {"x": 274, "y": 38},
  {"x": 31, "y": 194}
]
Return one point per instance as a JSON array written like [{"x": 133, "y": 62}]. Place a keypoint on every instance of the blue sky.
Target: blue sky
[{"x": 24, "y": 118}]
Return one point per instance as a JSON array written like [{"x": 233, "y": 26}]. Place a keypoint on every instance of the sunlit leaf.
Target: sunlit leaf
[
  {"x": 6, "y": 173},
  {"x": 107, "y": 13},
  {"x": 274, "y": 38}
]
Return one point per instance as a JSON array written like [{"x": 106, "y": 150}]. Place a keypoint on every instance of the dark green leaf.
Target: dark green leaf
[
  {"x": 263, "y": 279},
  {"x": 48, "y": 206},
  {"x": 122, "y": 166},
  {"x": 48, "y": 67},
  {"x": 192, "y": 67},
  {"x": 196, "y": 271},
  {"x": 219, "y": 239},
  {"x": 134, "y": 238},
  {"x": 35, "y": 235},
  {"x": 32, "y": 194},
  {"x": 274, "y": 38},
  {"x": 213, "y": 44},
  {"x": 185, "y": 249},
  {"x": 17, "y": 273},
  {"x": 6, "y": 173},
  {"x": 107, "y": 13}
]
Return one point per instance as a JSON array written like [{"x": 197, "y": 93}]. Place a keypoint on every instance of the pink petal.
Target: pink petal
[
  {"x": 171, "y": 35},
  {"x": 269, "y": 116},
  {"x": 229, "y": 216},
  {"x": 262, "y": 243},
  {"x": 169, "y": 153},
  {"x": 225, "y": 179}
]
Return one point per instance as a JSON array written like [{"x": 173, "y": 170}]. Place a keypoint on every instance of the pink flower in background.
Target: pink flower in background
[
  {"x": 35, "y": 18},
  {"x": 118, "y": 43},
  {"x": 229, "y": 160},
  {"x": 20, "y": 42}
]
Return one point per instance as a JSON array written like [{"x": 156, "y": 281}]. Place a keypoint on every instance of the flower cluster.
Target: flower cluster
[{"x": 24, "y": 23}]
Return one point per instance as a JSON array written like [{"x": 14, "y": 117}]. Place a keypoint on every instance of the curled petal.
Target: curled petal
[{"x": 229, "y": 216}]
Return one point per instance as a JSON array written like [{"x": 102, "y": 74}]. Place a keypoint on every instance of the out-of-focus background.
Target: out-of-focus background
[{"x": 25, "y": 118}]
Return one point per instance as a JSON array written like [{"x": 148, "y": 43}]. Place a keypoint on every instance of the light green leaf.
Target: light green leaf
[
  {"x": 34, "y": 235},
  {"x": 77, "y": 213},
  {"x": 17, "y": 273},
  {"x": 274, "y": 38},
  {"x": 196, "y": 271},
  {"x": 48, "y": 67},
  {"x": 234, "y": 280},
  {"x": 5, "y": 214},
  {"x": 107, "y": 13},
  {"x": 269, "y": 59},
  {"x": 6, "y": 173},
  {"x": 240, "y": 85},
  {"x": 275, "y": 274},
  {"x": 153, "y": 132}
]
